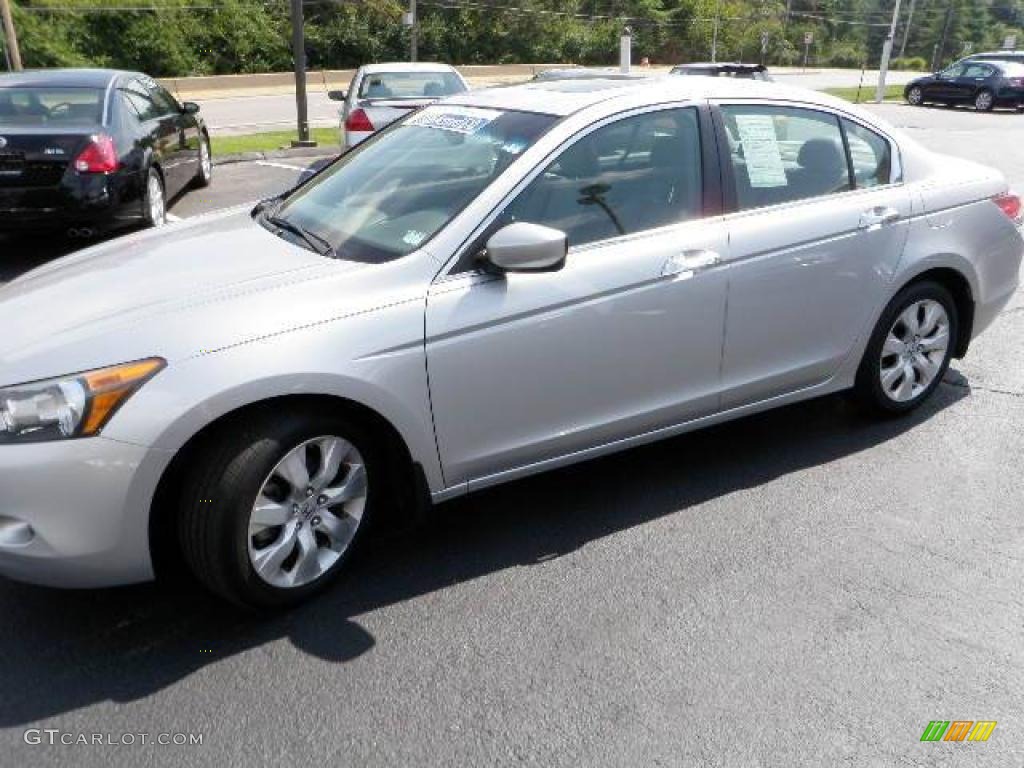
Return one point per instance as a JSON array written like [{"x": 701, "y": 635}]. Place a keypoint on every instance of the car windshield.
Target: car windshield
[
  {"x": 43, "y": 105},
  {"x": 409, "y": 85},
  {"x": 393, "y": 192}
]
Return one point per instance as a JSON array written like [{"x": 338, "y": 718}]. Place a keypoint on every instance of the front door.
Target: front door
[
  {"x": 626, "y": 338},
  {"x": 812, "y": 248}
]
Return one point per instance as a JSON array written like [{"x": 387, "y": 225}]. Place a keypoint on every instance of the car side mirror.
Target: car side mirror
[
  {"x": 190, "y": 108},
  {"x": 525, "y": 247},
  {"x": 336, "y": 95}
]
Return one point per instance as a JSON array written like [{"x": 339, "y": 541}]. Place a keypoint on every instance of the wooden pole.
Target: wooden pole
[{"x": 10, "y": 35}]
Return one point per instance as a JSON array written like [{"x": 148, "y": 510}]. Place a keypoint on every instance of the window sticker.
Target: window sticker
[
  {"x": 464, "y": 120},
  {"x": 414, "y": 237},
  {"x": 761, "y": 151}
]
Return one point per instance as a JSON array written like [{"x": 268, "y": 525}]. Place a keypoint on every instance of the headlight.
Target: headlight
[{"x": 77, "y": 405}]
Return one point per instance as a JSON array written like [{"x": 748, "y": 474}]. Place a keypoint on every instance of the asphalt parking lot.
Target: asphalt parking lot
[{"x": 801, "y": 588}]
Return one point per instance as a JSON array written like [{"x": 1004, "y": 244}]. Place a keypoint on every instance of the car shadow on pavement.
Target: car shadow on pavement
[{"x": 63, "y": 650}]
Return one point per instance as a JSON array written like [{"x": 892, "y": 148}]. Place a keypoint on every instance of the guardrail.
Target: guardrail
[{"x": 325, "y": 79}]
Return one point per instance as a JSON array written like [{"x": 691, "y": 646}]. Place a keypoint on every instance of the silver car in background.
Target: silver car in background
[
  {"x": 381, "y": 93},
  {"x": 508, "y": 281}
]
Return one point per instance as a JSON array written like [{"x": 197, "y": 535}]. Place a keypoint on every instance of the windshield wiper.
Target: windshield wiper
[{"x": 313, "y": 240}]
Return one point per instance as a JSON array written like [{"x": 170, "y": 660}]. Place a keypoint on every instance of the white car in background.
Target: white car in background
[{"x": 381, "y": 93}]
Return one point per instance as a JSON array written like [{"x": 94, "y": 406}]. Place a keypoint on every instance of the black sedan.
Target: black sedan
[
  {"x": 85, "y": 151},
  {"x": 983, "y": 84},
  {"x": 723, "y": 69}
]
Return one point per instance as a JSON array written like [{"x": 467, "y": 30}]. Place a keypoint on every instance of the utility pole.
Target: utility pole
[
  {"x": 886, "y": 53},
  {"x": 413, "y": 32},
  {"x": 906, "y": 28},
  {"x": 940, "y": 50},
  {"x": 10, "y": 35},
  {"x": 714, "y": 33},
  {"x": 299, "y": 57}
]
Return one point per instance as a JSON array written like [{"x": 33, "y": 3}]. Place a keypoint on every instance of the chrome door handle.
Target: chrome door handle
[
  {"x": 690, "y": 262},
  {"x": 873, "y": 218}
]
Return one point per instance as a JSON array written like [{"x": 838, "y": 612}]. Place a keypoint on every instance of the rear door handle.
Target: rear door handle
[
  {"x": 873, "y": 218},
  {"x": 690, "y": 262}
]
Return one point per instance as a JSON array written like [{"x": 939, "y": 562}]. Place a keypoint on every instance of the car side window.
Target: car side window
[
  {"x": 166, "y": 103},
  {"x": 978, "y": 71},
  {"x": 957, "y": 70},
  {"x": 870, "y": 155},
  {"x": 782, "y": 154},
  {"x": 635, "y": 174},
  {"x": 144, "y": 106}
]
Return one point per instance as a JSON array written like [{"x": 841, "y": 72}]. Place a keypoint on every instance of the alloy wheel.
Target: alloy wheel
[
  {"x": 155, "y": 197},
  {"x": 914, "y": 350},
  {"x": 914, "y": 96},
  {"x": 307, "y": 512},
  {"x": 205, "y": 162},
  {"x": 984, "y": 101}
]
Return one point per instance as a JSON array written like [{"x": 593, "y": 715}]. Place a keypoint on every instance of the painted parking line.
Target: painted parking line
[
  {"x": 172, "y": 218},
  {"x": 286, "y": 166}
]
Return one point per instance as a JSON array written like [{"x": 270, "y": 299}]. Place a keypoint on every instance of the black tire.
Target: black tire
[
  {"x": 914, "y": 96},
  {"x": 223, "y": 483},
  {"x": 154, "y": 215},
  {"x": 868, "y": 389},
  {"x": 204, "y": 175},
  {"x": 984, "y": 100}
]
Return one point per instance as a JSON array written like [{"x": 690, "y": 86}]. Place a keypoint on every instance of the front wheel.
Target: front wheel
[
  {"x": 915, "y": 96},
  {"x": 204, "y": 175},
  {"x": 984, "y": 101},
  {"x": 272, "y": 510},
  {"x": 909, "y": 350},
  {"x": 155, "y": 203}
]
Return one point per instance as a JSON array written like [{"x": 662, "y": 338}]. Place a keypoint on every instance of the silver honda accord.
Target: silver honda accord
[{"x": 503, "y": 282}]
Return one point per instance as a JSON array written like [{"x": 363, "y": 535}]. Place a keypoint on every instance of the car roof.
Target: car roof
[
  {"x": 564, "y": 97},
  {"x": 406, "y": 66},
  {"x": 61, "y": 78}
]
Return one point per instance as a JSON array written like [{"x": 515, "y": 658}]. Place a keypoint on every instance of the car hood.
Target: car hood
[{"x": 115, "y": 302}]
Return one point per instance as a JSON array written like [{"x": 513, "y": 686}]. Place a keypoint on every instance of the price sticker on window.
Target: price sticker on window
[{"x": 761, "y": 151}]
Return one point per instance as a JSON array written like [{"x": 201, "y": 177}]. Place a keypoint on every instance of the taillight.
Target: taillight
[
  {"x": 1010, "y": 204},
  {"x": 358, "y": 121},
  {"x": 100, "y": 156},
  {"x": 1016, "y": 82}
]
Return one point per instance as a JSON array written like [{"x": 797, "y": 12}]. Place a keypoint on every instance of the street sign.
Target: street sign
[
  {"x": 1010, "y": 42},
  {"x": 764, "y": 42},
  {"x": 407, "y": 20},
  {"x": 808, "y": 38}
]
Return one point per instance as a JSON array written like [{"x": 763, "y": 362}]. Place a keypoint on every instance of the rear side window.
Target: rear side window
[
  {"x": 782, "y": 154},
  {"x": 638, "y": 173},
  {"x": 870, "y": 155}
]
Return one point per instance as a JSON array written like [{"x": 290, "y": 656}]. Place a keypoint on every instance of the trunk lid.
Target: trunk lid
[{"x": 39, "y": 158}]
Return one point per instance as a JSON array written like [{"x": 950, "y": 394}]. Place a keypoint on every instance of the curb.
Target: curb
[{"x": 273, "y": 154}]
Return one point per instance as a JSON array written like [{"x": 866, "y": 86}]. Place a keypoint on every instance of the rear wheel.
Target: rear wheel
[
  {"x": 271, "y": 512},
  {"x": 155, "y": 203},
  {"x": 984, "y": 101},
  {"x": 915, "y": 96},
  {"x": 909, "y": 350}
]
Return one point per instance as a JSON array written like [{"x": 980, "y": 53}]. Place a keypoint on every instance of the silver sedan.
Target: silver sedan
[{"x": 503, "y": 282}]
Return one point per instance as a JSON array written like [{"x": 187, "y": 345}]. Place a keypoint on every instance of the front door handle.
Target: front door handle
[
  {"x": 873, "y": 218},
  {"x": 690, "y": 262}
]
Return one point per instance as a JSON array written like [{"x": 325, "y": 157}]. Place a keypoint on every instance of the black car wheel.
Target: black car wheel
[
  {"x": 273, "y": 507},
  {"x": 909, "y": 350},
  {"x": 205, "y": 173},
  {"x": 155, "y": 202},
  {"x": 914, "y": 96},
  {"x": 984, "y": 101}
]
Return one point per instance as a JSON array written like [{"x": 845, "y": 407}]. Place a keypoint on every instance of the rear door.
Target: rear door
[
  {"x": 975, "y": 76},
  {"x": 161, "y": 131},
  {"x": 814, "y": 240}
]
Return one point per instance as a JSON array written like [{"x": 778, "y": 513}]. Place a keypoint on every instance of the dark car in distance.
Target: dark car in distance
[
  {"x": 982, "y": 84},
  {"x": 723, "y": 69},
  {"x": 84, "y": 151}
]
